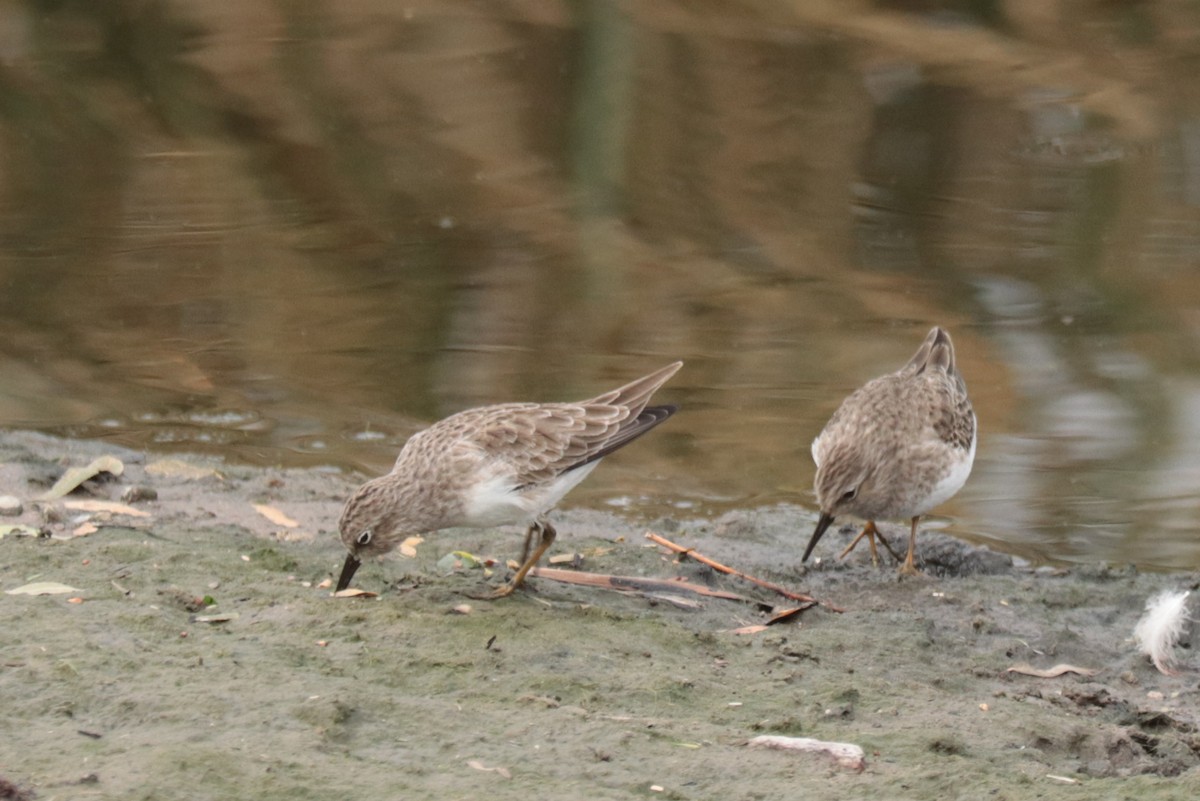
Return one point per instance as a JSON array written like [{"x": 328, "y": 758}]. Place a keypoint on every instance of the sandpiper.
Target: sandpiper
[
  {"x": 496, "y": 465},
  {"x": 898, "y": 446}
]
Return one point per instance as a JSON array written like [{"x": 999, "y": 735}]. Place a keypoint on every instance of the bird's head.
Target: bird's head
[
  {"x": 844, "y": 485},
  {"x": 369, "y": 526}
]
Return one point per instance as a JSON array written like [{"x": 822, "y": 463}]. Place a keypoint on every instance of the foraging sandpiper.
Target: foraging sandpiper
[
  {"x": 496, "y": 465},
  {"x": 898, "y": 446}
]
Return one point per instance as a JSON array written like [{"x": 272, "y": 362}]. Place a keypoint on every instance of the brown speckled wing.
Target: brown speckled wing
[
  {"x": 956, "y": 423},
  {"x": 541, "y": 441},
  {"x": 929, "y": 380}
]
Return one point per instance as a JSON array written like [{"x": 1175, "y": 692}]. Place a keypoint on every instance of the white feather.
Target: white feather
[{"x": 1161, "y": 627}]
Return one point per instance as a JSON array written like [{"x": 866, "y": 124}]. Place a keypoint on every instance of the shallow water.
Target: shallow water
[{"x": 295, "y": 236}]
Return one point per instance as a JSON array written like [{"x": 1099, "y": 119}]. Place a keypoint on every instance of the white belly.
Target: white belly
[
  {"x": 952, "y": 482},
  {"x": 497, "y": 501}
]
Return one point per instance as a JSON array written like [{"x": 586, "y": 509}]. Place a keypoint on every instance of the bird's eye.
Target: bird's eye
[
  {"x": 849, "y": 494},
  {"x": 364, "y": 538}
]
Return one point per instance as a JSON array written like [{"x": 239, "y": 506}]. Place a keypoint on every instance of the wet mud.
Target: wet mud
[{"x": 199, "y": 657}]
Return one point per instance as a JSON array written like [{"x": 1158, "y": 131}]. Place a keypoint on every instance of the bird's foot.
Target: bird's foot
[
  {"x": 854, "y": 544},
  {"x": 872, "y": 534},
  {"x": 503, "y": 591}
]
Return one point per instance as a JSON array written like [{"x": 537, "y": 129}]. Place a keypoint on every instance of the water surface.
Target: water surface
[{"x": 296, "y": 235}]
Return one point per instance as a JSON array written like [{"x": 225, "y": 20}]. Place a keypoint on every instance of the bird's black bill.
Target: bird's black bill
[
  {"x": 822, "y": 524},
  {"x": 348, "y": 569}
]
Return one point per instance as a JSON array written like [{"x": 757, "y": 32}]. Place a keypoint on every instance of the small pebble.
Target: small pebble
[
  {"x": 138, "y": 493},
  {"x": 10, "y": 506}
]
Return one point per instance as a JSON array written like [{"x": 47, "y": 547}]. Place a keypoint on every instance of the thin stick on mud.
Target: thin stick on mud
[
  {"x": 715, "y": 565},
  {"x": 634, "y": 583}
]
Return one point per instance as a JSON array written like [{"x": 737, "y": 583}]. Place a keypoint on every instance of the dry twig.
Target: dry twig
[
  {"x": 715, "y": 565},
  {"x": 634, "y": 583}
]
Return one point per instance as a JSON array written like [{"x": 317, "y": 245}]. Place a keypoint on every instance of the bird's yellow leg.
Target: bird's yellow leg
[
  {"x": 871, "y": 532},
  {"x": 547, "y": 539},
  {"x": 528, "y": 540},
  {"x": 868, "y": 532},
  {"x": 908, "y": 568},
  {"x": 883, "y": 539}
]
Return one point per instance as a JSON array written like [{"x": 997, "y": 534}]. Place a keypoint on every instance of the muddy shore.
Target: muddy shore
[{"x": 134, "y": 686}]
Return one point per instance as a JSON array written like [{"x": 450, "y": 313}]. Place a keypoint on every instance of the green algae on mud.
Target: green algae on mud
[{"x": 573, "y": 692}]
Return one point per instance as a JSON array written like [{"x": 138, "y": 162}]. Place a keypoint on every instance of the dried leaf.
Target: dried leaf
[
  {"x": 83, "y": 529},
  {"x": 19, "y": 529},
  {"x": 785, "y": 615},
  {"x": 409, "y": 546},
  {"x": 565, "y": 559},
  {"x": 274, "y": 515},
  {"x": 351, "y": 592},
  {"x": 222, "y": 618},
  {"x": 77, "y": 475},
  {"x": 456, "y": 560},
  {"x": 326, "y": 584},
  {"x": 1062, "y": 779},
  {"x": 42, "y": 588},
  {"x": 175, "y": 468},
  {"x": 477, "y": 765},
  {"x": 112, "y": 507},
  {"x": 755, "y": 629},
  {"x": 1025, "y": 669},
  {"x": 461, "y": 609}
]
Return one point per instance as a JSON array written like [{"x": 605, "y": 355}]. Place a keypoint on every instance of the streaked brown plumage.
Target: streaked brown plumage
[
  {"x": 496, "y": 465},
  {"x": 898, "y": 446}
]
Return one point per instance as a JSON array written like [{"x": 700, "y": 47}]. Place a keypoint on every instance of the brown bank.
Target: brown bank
[{"x": 196, "y": 656}]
